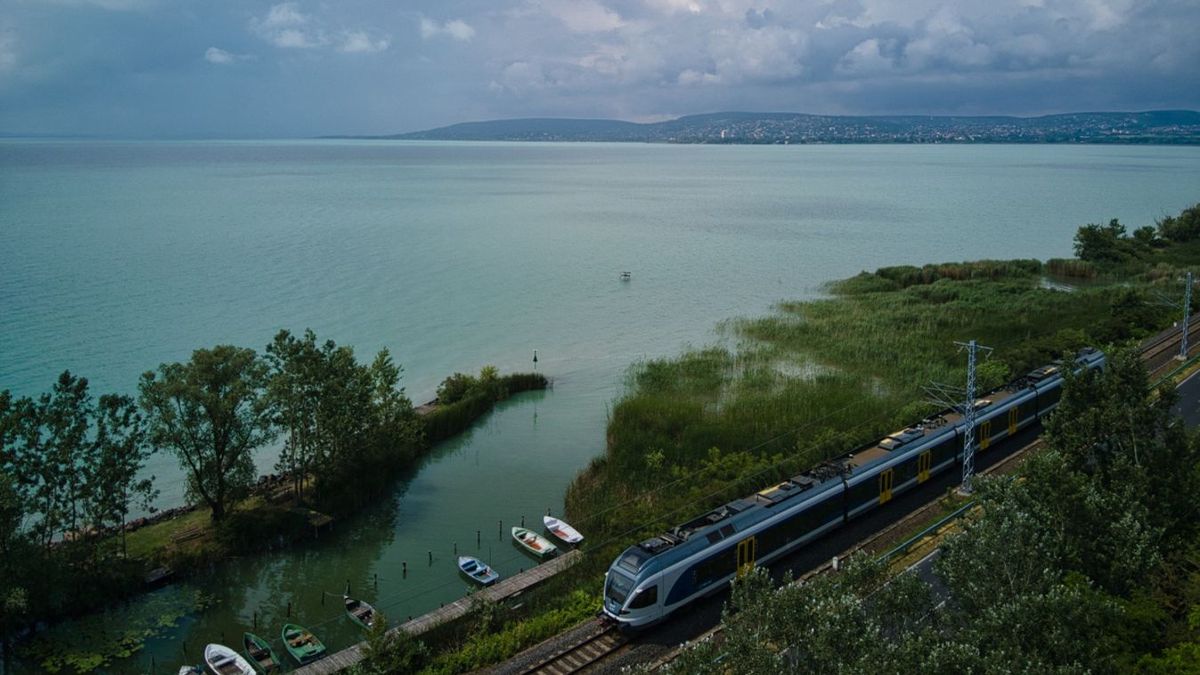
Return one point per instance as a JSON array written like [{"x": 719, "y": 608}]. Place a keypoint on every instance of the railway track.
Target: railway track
[
  {"x": 1159, "y": 350},
  {"x": 588, "y": 649}
]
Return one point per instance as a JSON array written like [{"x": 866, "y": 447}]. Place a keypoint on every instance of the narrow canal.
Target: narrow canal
[{"x": 512, "y": 465}]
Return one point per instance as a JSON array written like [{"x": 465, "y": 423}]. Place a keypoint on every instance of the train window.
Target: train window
[
  {"x": 618, "y": 587},
  {"x": 645, "y": 598}
]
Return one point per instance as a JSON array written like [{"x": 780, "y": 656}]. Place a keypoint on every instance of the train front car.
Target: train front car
[{"x": 631, "y": 595}]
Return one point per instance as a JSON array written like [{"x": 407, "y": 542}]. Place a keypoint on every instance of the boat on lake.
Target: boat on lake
[
  {"x": 191, "y": 670},
  {"x": 360, "y": 612},
  {"x": 260, "y": 653},
  {"x": 562, "y": 530},
  {"x": 477, "y": 570},
  {"x": 534, "y": 543},
  {"x": 224, "y": 661},
  {"x": 302, "y": 644}
]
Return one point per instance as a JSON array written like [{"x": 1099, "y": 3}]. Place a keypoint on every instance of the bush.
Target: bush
[{"x": 455, "y": 388}]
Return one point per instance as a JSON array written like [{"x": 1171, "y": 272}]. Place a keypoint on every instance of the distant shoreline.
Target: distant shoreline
[{"x": 1156, "y": 127}]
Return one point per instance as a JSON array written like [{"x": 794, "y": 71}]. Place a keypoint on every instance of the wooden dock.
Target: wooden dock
[{"x": 502, "y": 590}]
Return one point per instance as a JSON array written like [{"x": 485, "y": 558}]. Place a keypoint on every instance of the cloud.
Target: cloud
[
  {"x": 284, "y": 14},
  {"x": 286, "y": 27},
  {"x": 580, "y": 16},
  {"x": 219, "y": 56},
  {"x": 455, "y": 28},
  {"x": 359, "y": 42}
]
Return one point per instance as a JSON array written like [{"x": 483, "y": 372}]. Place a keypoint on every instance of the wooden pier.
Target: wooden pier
[{"x": 502, "y": 590}]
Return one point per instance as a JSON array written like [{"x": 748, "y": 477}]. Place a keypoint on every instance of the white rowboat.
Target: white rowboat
[
  {"x": 562, "y": 530},
  {"x": 224, "y": 661},
  {"x": 534, "y": 542}
]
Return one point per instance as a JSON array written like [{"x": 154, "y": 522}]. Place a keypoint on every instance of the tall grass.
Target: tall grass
[{"x": 814, "y": 379}]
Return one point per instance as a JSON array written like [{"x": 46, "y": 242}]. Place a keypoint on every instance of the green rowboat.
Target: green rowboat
[
  {"x": 302, "y": 644},
  {"x": 260, "y": 653}
]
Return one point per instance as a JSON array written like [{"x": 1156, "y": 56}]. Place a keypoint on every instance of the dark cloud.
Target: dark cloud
[{"x": 306, "y": 67}]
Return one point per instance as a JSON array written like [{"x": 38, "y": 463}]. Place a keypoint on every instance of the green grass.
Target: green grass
[
  {"x": 149, "y": 542},
  {"x": 815, "y": 379}
]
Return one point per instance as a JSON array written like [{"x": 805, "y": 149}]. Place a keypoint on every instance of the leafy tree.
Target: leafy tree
[
  {"x": 1108, "y": 243},
  {"x": 1122, "y": 435},
  {"x": 341, "y": 417},
  {"x": 121, "y": 451},
  {"x": 1181, "y": 228},
  {"x": 48, "y": 452},
  {"x": 294, "y": 391},
  {"x": 14, "y": 561},
  {"x": 211, "y": 412}
]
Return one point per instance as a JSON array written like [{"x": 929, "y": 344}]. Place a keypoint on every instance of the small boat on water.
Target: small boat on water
[
  {"x": 224, "y": 661},
  {"x": 562, "y": 530},
  {"x": 477, "y": 570},
  {"x": 534, "y": 542},
  {"x": 360, "y": 612},
  {"x": 191, "y": 670},
  {"x": 260, "y": 653},
  {"x": 302, "y": 644}
]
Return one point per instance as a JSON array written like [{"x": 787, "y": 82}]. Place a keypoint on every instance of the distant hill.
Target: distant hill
[{"x": 1157, "y": 126}]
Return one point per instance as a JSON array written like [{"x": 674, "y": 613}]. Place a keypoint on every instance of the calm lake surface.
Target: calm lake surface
[{"x": 115, "y": 257}]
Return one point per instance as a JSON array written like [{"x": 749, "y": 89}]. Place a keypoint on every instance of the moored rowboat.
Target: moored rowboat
[
  {"x": 360, "y": 612},
  {"x": 477, "y": 570},
  {"x": 562, "y": 530},
  {"x": 301, "y": 643},
  {"x": 260, "y": 653},
  {"x": 224, "y": 661},
  {"x": 533, "y": 542}
]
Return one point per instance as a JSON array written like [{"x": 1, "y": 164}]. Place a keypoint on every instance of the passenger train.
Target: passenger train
[{"x": 664, "y": 573}]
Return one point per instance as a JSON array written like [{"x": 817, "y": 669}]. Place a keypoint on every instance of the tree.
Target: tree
[
  {"x": 14, "y": 596},
  {"x": 49, "y": 448},
  {"x": 294, "y": 392},
  {"x": 1181, "y": 228},
  {"x": 1108, "y": 243},
  {"x": 211, "y": 412},
  {"x": 121, "y": 451}
]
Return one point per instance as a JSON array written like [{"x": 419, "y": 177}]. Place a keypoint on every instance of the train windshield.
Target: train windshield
[{"x": 619, "y": 586}]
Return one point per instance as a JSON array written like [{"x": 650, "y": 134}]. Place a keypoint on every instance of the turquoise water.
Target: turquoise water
[{"x": 115, "y": 257}]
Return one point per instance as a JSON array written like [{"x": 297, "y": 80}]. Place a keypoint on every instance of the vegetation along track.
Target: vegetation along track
[{"x": 592, "y": 646}]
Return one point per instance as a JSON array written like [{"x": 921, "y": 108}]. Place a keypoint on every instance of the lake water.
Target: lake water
[{"x": 115, "y": 257}]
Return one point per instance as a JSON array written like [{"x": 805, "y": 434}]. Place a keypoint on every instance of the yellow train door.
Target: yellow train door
[
  {"x": 924, "y": 461},
  {"x": 885, "y": 485},
  {"x": 985, "y": 434},
  {"x": 746, "y": 551},
  {"x": 1014, "y": 416}
]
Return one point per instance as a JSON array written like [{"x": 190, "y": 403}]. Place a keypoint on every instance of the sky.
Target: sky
[{"x": 249, "y": 69}]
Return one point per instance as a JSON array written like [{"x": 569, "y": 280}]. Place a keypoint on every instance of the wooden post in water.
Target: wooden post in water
[
  {"x": 377, "y": 581},
  {"x": 456, "y": 548},
  {"x": 522, "y": 521},
  {"x": 499, "y": 529},
  {"x": 476, "y": 538},
  {"x": 289, "y": 612},
  {"x": 404, "y": 568},
  {"x": 431, "y": 557}
]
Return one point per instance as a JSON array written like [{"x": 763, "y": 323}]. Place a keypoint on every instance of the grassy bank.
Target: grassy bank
[
  {"x": 462, "y": 399},
  {"x": 813, "y": 379}
]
